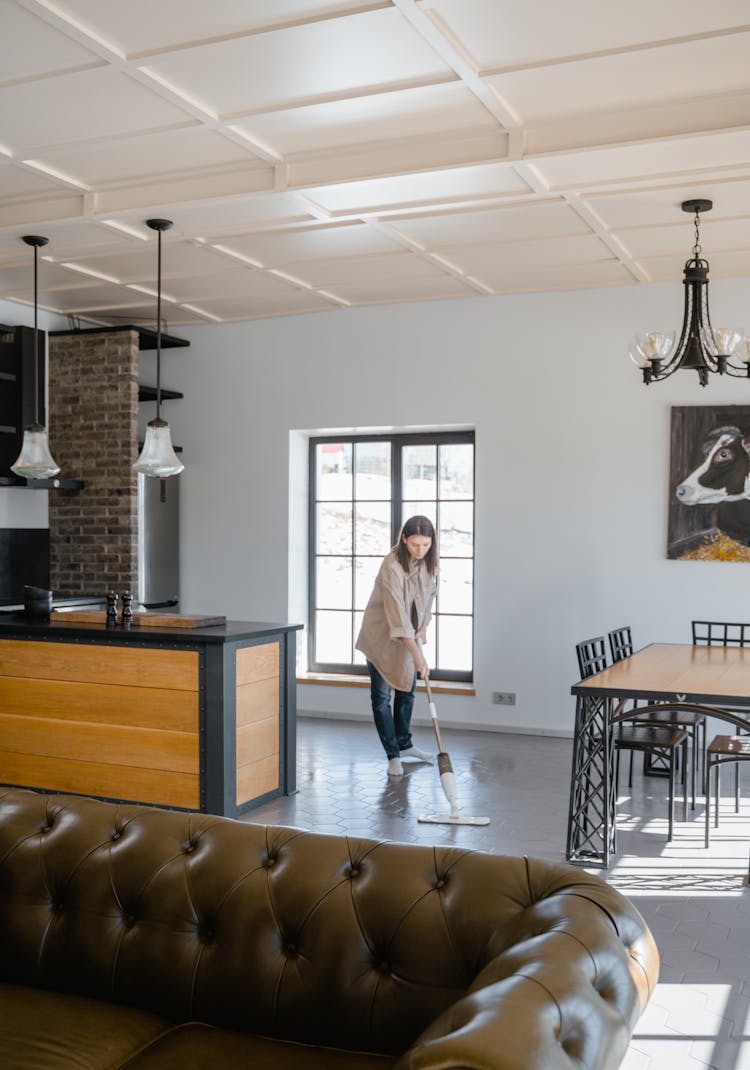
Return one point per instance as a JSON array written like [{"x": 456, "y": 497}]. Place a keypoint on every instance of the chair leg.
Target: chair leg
[
  {"x": 736, "y": 787},
  {"x": 630, "y": 770},
  {"x": 707, "y": 774},
  {"x": 670, "y": 822},
  {"x": 717, "y": 782},
  {"x": 684, "y": 780}
]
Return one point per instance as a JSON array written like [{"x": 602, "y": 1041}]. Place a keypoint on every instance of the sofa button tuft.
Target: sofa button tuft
[
  {"x": 189, "y": 847},
  {"x": 128, "y": 921},
  {"x": 354, "y": 872},
  {"x": 291, "y": 950},
  {"x": 116, "y": 834},
  {"x": 440, "y": 882}
]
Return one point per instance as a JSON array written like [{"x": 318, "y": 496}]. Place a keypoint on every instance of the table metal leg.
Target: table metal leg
[{"x": 591, "y": 815}]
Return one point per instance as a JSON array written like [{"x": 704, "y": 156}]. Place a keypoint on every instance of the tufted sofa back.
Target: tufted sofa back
[{"x": 328, "y": 940}]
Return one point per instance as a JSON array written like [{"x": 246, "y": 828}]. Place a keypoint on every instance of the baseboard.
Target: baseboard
[{"x": 445, "y": 722}]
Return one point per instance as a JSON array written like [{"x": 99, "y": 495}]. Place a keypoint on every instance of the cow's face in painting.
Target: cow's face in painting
[{"x": 724, "y": 475}]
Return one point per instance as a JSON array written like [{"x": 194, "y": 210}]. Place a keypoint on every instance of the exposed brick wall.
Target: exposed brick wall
[{"x": 93, "y": 430}]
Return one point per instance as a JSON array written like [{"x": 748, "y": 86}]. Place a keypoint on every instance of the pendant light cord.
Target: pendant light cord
[
  {"x": 36, "y": 340},
  {"x": 158, "y": 331}
]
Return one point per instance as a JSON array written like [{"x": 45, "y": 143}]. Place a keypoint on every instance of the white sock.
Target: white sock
[
  {"x": 419, "y": 755},
  {"x": 395, "y": 768}
]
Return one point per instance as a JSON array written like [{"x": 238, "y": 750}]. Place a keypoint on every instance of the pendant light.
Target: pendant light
[
  {"x": 701, "y": 347},
  {"x": 158, "y": 457},
  {"x": 35, "y": 460}
]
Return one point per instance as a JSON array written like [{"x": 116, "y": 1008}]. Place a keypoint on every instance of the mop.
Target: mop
[{"x": 447, "y": 780}]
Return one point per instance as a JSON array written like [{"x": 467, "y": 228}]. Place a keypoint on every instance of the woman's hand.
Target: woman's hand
[{"x": 423, "y": 669}]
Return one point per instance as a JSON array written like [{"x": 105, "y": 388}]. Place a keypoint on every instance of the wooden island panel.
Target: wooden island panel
[
  {"x": 258, "y": 721},
  {"x": 122, "y": 722}
]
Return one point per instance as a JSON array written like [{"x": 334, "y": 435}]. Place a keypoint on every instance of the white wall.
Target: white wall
[{"x": 572, "y": 470}]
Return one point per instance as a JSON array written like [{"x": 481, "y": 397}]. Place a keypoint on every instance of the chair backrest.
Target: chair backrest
[
  {"x": 592, "y": 656},
  {"x": 720, "y": 633},
  {"x": 620, "y": 644}
]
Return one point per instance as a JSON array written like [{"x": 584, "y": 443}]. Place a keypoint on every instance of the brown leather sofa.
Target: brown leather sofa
[{"x": 133, "y": 938}]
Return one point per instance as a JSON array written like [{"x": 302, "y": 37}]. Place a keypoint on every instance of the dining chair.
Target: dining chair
[
  {"x": 656, "y": 763},
  {"x": 658, "y": 739},
  {"x": 722, "y": 633},
  {"x": 723, "y": 750}
]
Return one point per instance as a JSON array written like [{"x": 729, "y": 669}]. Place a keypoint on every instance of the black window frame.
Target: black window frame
[{"x": 398, "y": 442}]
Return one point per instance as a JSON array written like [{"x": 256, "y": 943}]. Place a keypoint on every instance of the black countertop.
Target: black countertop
[{"x": 19, "y": 626}]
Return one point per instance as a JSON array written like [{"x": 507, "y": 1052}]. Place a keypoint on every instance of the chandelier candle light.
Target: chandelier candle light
[
  {"x": 158, "y": 457},
  {"x": 35, "y": 460},
  {"x": 701, "y": 347}
]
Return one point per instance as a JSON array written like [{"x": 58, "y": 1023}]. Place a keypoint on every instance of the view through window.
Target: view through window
[{"x": 362, "y": 490}]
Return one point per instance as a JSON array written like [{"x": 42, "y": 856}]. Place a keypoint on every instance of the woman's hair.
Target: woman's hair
[{"x": 417, "y": 525}]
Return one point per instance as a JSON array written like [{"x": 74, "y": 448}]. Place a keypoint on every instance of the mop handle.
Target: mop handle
[{"x": 433, "y": 713}]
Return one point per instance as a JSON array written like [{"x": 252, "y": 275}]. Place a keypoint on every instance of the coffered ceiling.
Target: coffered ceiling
[{"x": 317, "y": 154}]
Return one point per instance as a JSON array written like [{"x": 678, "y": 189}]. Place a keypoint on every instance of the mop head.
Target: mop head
[{"x": 448, "y": 784}]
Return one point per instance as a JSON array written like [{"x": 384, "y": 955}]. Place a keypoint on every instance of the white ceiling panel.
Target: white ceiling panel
[
  {"x": 163, "y": 152},
  {"x": 32, "y": 47},
  {"x": 385, "y": 290},
  {"x": 22, "y": 182},
  {"x": 627, "y": 80},
  {"x": 661, "y": 205},
  {"x": 376, "y": 150},
  {"x": 142, "y": 26},
  {"x": 430, "y": 110},
  {"x": 302, "y": 63},
  {"x": 678, "y": 155},
  {"x": 228, "y": 216},
  {"x": 717, "y": 235},
  {"x": 506, "y": 33},
  {"x": 78, "y": 107},
  {"x": 722, "y": 265},
  {"x": 137, "y": 262},
  {"x": 491, "y": 224},
  {"x": 395, "y": 267},
  {"x": 476, "y": 259},
  {"x": 275, "y": 248},
  {"x": 452, "y": 184},
  {"x": 506, "y": 278},
  {"x": 240, "y": 282},
  {"x": 290, "y": 303}
]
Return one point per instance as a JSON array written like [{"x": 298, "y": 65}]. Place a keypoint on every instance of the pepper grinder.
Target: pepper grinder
[
  {"x": 127, "y": 609},
  {"x": 111, "y": 609}
]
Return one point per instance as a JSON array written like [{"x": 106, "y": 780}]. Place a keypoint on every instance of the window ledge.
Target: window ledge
[{"x": 444, "y": 687}]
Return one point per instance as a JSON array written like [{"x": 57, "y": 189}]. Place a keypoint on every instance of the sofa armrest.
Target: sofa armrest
[{"x": 523, "y": 1023}]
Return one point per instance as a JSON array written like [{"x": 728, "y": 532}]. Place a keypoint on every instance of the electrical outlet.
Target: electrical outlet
[{"x": 504, "y": 698}]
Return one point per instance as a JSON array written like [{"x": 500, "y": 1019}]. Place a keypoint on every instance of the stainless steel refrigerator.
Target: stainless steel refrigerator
[{"x": 158, "y": 541}]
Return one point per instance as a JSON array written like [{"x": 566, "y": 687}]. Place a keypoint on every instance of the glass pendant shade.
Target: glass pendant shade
[
  {"x": 158, "y": 457},
  {"x": 35, "y": 460}
]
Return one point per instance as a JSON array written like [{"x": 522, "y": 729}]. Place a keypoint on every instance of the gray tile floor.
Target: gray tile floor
[{"x": 696, "y": 901}]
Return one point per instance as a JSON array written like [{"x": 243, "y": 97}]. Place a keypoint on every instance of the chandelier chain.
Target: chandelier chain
[{"x": 697, "y": 248}]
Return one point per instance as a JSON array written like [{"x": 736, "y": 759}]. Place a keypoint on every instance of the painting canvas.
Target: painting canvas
[{"x": 709, "y": 483}]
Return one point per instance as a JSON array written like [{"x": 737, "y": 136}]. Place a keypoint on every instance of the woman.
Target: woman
[{"x": 394, "y": 626}]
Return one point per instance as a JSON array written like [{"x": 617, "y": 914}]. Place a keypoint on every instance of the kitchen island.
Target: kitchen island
[{"x": 199, "y": 718}]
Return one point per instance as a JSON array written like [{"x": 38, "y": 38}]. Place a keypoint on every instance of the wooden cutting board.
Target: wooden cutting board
[{"x": 147, "y": 618}]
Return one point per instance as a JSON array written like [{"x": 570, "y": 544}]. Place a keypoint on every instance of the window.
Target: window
[{"x": 362, "y": 489}]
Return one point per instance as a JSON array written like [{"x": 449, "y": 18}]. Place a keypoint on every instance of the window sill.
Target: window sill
[{"x": 442, "y": 687}]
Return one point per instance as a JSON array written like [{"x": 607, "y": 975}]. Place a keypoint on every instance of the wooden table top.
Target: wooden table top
[{"x": 712, "y": 674}]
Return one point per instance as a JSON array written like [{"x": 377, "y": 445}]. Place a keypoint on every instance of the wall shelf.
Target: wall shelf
[
  {"x": 148, "y": 393},
  {"x": 42, "y": 484}
]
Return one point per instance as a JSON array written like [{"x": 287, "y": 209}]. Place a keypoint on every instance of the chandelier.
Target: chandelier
[{"x": 701, "y": 347}]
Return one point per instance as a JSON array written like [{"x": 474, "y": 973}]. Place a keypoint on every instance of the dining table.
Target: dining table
[{"x": 714, "y": 679}]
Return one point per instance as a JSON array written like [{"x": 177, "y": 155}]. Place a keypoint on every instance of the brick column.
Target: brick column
[{"x": 93, "y": 432}]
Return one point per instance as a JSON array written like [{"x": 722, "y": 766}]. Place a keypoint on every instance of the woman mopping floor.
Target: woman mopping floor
[{"x": 394, "y": 625}]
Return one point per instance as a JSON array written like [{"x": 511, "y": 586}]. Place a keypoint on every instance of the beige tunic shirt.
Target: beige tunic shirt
[{"x": 388, "y": 619}]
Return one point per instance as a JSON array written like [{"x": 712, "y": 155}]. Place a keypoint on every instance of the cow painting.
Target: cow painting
[{"x": 709, "y": 511}]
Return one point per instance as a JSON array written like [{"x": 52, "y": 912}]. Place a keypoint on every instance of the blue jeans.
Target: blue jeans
[{"x": 393, "y": 728}]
